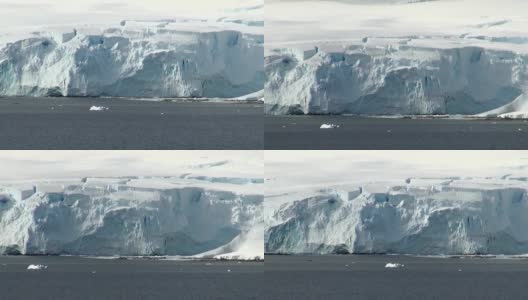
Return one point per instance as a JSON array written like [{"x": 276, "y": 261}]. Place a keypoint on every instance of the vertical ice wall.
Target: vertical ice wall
[
  {"x": 151, "y": 62},
  {"x": 436, "y": 220},
  {"x": 115, "y": 219}
]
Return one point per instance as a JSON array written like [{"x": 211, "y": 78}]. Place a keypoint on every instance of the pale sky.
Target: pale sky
[
  {"x": 21, "y": 165},
  {"x": 319, "y": 167},
  {"x": 46, "y": 12},
  {"x": 114, "y": 6},
  {"x": 296, "y": 166},
  {"x": 302, "y": 21}
]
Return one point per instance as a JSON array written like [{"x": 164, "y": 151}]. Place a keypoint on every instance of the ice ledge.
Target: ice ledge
[
  {"x": 151, "y": 62},
  {"x": 130, "y": 217},
  {"x": 394, "y": 80},
  {"x": 444, "y": 218}
]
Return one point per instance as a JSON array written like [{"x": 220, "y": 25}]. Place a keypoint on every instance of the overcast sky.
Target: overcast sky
[
  {"x": 319, "y": 167},
  {"x": 17, "y": 165},
  {"x": 42, "y": 12}
]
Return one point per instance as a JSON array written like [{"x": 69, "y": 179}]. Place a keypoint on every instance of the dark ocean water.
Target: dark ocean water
[
  {"x": 67, "y": 123},
  {"x": 365, "y": 277},
  {"x": 73, "y": 278},
  {"x": 280, "y": 277},
  {"x": 303, "y": 132}
]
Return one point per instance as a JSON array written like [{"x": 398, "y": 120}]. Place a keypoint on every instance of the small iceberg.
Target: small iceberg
[
  {"x": 394, "y": 265},
  {"x": 98, "y": 108},
  {"x": 329, "y": 126},
  {"x": 37, "y": 267}
]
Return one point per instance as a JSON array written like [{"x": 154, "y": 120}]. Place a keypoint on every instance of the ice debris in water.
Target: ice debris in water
[
  {"x": 329, "y": 126},
  {"x": 98, "y": 108},
  {"x": 394, "y": 265},
  {"x": 37, "y": 267}
]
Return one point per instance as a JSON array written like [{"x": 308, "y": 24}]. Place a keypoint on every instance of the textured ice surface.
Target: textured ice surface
[
  {"x": 428, "y": 218},
  {"x": 430, "y": 202},
  {"x": 202, "y": 55},
  {"x": 515, "y": 115},
  {"x": 400, "y": 80},
  {"x": 132, "y": 216},
  {"x": 429, "y": 57},
  {"x": 153, "y": 62}
]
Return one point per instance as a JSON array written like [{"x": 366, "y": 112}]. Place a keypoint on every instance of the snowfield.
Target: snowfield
[
  {"x": 372, "y": 209},
  {"x": 463, "y": 57},
  {"x": 204, "y": 217},
  {"x": 212, "y": 57}
]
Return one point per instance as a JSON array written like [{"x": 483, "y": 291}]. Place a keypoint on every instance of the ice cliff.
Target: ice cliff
[
  {"x": 436, "y": 217},
  {"x": 167, "y": 58},
  {"x": 464, "y": 57},
  {"x": 132, "y": 217},
  {"x": 394, "y": 80}
]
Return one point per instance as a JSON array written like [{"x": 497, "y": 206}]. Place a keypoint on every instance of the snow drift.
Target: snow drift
[
  {"x": 136, "y": 59},
  {"x": 435, "y": 217},
  {"x": 130, "y": 217}
]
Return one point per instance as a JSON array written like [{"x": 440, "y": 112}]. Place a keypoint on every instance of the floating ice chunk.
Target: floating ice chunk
[
  {"x": 259, "y": 95},
  {"x": 37, "y": 267},
  {"x": 98, "y": 108},
  {"x": 329, "y": 126},
  {"x": 394, "y": 265},
  {"x": 515, "y": 115}
]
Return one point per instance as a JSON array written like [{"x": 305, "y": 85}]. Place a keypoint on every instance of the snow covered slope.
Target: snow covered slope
[
  {"x": 421, "y": 57},
  {"x": 133, "y": 216},
  {"x": 218, "y": 55},
  {"x": 354, "y": 212}
]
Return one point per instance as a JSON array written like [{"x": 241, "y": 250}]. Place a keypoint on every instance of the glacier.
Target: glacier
[
  {"x": 396, "y": 202},
  {"x": 191, "y": 58},
  {"x": 132, "y": 216},
  {"x": 463, "y": 57},
  {"x": 422, "y": 216},
  {"x": 402, "y": 79}
]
